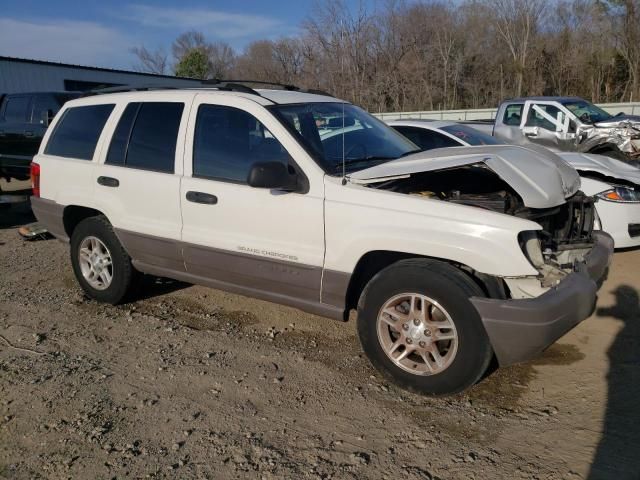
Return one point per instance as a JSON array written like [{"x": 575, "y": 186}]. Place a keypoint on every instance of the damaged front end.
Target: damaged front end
[
  {"x": 509, "y": 181},
  {"x": 622, "y": 132}
]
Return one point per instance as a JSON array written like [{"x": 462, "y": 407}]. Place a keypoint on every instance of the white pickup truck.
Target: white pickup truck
[{"x": 450, "y": 259}]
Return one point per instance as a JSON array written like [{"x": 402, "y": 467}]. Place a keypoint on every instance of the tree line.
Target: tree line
[{"x": 432, "y": 55}]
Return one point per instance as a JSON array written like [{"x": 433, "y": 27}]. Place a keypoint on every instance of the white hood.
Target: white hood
[
  {"x": 542, "y": 179},
  {"x": 609, "y": 167}
]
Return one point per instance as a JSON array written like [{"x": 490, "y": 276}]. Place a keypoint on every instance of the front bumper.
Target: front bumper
[
  {"x": 620, "y": 220},
  {"x": 519, "y": 330}
]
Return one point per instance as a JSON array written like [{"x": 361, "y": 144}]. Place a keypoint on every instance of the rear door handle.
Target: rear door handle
[
  {"x": 2, "y": 133},
  {"x": 28, "y": 133},
  {"x": 201, "y": 197},
  {"x": 108, "y": 181}
]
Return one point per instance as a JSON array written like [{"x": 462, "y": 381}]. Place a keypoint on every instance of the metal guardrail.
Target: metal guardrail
[{"x": 490, "y": 113}]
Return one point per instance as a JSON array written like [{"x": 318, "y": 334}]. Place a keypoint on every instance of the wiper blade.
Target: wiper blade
[
  {"x": 357, "y": 161},
  {"x": 410, "y": 152}
]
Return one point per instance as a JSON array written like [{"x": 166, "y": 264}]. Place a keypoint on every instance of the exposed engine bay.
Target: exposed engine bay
[{"x": 567, "y": 229}]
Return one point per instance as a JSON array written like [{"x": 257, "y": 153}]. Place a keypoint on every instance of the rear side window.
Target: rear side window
[
  {"x": 146, "y": 136},
  {"x": 17, "y": 109},
  {"x": 228, "y": 141},
  {"x": 78, "y": 131},
  {"x": 513, "y": 114}
]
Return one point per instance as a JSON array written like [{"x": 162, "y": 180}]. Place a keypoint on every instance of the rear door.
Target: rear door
[
  {"x": 138, "y": 181},
  {"x": 266, "y": 243}
]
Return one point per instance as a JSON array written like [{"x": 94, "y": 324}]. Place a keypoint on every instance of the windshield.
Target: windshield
[
  {"x": 587, "y": 112},
  {"x": 332, "y": 132},
  {"x": 470, "y": 135}
]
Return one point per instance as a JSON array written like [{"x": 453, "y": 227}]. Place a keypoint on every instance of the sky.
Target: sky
[{"x": 102, "y": 33}]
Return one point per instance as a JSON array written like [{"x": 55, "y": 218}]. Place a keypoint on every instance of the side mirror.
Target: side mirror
[
  {"x": 45, "y": 117},
  {"x": 272, "y": 175}
]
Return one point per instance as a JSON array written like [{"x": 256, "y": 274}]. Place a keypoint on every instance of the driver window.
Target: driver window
[
  {"x": 228, "y": 141},
  {"x": 536, "y": 119}
]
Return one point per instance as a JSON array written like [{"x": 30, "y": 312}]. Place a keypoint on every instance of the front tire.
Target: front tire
[
  {"x": 100, "y": 263},
  {"x": 418, "y": 327}
]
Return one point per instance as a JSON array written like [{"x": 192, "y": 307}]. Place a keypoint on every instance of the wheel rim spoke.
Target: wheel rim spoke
[
  {"x": 96, "y": 264},
  {"x": 417, "y": 334}
]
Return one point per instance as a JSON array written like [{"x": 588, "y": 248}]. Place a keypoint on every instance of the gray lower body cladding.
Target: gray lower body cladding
[
  {"x": 288, "y": 283},
  {"x": 51, "y": 215},
  {"x": 278, "y": 281},
  {"x": 521, "y": 329}
]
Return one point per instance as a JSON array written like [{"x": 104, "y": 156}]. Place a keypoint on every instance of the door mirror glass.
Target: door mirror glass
[{"x": 272, "y": 175}]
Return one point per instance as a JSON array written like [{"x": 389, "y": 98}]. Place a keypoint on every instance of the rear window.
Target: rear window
[
  {"x": 78, "y": 131},
  {"x": 16, "y": 109},
  {"x": 146, "y": 136},
  {"x": 513, "y": 114}
]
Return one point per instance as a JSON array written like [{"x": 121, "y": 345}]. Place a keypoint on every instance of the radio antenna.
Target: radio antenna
[{"x": 344, "y": 174}]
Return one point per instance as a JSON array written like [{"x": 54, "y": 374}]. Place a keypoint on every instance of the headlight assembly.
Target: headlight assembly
[{"x": 621, "y": 195}]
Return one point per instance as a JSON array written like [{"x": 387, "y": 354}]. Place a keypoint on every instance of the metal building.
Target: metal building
[{"x": 19, "y": 75}]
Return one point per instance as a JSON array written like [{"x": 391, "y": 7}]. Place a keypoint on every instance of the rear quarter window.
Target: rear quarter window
[
  {"x": 146, "y": 136},
  {"x": 76, "y": 134}
]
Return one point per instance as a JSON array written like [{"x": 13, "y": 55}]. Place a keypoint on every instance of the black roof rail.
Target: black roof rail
[
  {"x": 225, "y": 85},
  {"x": 129, "y": 88},
  {"x": 285, "y": 86}
]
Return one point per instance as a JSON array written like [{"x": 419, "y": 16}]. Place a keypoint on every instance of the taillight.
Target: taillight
[{"x": 35, "y": 179}]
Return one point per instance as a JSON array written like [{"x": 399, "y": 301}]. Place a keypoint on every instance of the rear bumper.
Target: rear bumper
[
  {"x": 519, "y": 330},
  {"x": 50, "y": 214}
]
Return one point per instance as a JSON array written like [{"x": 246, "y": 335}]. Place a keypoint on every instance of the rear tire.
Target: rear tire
[
  {"x": 439, "y": 347},
  {"x": 100, "y": 263}
]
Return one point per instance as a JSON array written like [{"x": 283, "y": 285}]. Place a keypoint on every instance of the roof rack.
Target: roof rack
[
  {"x": 129, "y": 88},
  {"x": 285, "y": 86},
  {"x": 224, "y": 85}
]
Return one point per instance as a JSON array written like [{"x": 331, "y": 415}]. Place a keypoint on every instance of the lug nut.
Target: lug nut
[
  {"x": 405, "y": 326},
  {"x": 416, "y": 322},
  {"x": 409, "y": 341},
  {"x": 422, "y": 344},
  {"x": 427, "y": 332}
]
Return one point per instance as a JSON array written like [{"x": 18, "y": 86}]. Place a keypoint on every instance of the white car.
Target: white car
[
  {"x": 614, "y": 183},
  {"x": 235, "y": 189}
]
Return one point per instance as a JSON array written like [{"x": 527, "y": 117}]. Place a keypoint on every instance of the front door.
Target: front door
[
  {"x": 548, "y": 124},
  {"x": 265, "y": 243}
]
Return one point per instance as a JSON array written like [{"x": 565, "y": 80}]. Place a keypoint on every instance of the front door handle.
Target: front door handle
[
  {"x": 201, "y": 197},
  {"x": 28, "y": 133},
  {"x": 108, "y": 181}
]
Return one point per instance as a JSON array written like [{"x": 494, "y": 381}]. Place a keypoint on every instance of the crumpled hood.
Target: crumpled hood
[
  {"x": 609, "y": 167},
  {"x": 540, "y": 177},
  {"x": 620, "y": 120}
]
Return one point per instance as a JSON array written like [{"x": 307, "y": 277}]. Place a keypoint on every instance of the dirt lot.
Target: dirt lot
[{"x": 195, "y": 383}]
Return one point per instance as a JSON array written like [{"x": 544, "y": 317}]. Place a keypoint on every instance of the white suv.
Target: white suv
[{"x": 450, "y": 258}]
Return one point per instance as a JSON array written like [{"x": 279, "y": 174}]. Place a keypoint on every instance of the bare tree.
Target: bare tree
[
  {"x": 150, "y": 61},
  {"x": 517, "y": 22},
  {"x": 433, "y": 54}
]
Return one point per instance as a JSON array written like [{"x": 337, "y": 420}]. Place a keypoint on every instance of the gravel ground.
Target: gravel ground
[{"x": 189, "y": 382}]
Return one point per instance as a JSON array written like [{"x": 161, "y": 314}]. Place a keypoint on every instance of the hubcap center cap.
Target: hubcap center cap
[{"x": 415, "y": 332}]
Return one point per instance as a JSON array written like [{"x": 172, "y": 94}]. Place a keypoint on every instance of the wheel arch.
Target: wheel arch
[
  {"x": 74, "y": 214},
  {"x": 374, "y": 261}
]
